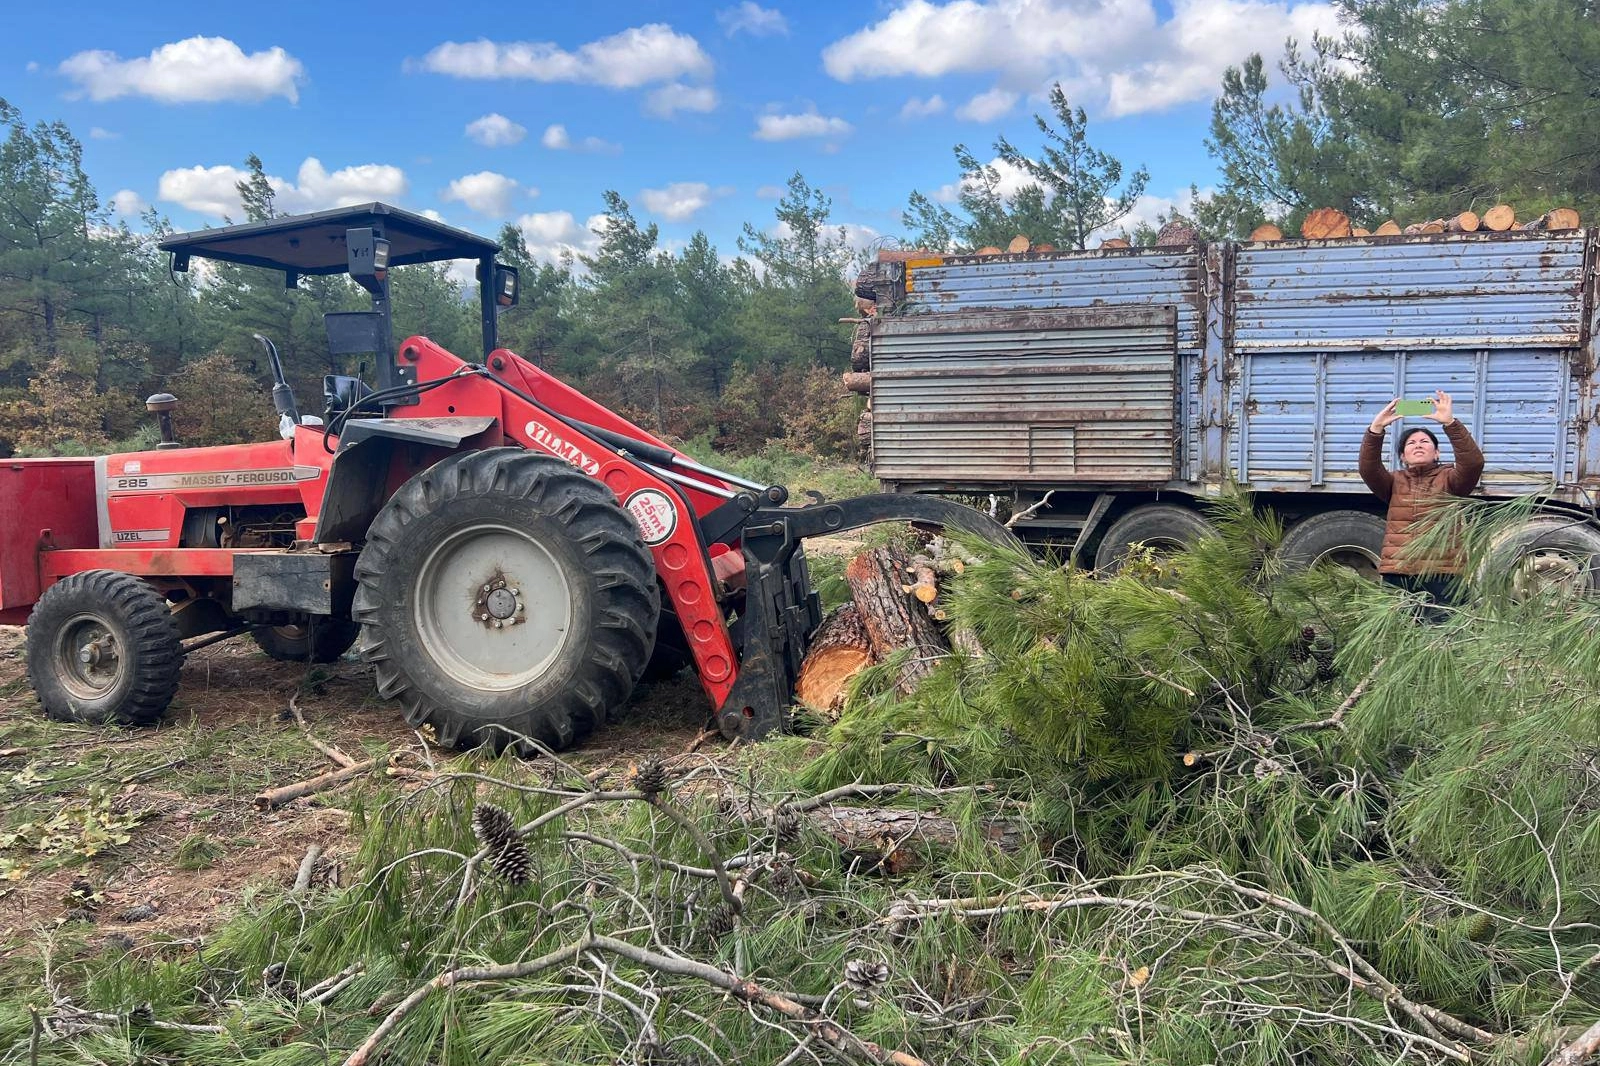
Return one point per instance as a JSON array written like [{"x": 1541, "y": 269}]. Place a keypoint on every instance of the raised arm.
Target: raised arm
[
  {"x": 1372, "y": 467},
  {"x": 1469, "y": 457}
]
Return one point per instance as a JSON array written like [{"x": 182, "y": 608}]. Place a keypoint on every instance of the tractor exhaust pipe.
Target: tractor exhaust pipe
[{"x": 282, "y": 394}]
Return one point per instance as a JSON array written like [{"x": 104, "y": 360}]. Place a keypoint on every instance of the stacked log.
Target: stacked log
[
  {"x": 1112, "y": 243},
  {"x": 1266, "y": 232},
  {"x": 1558, "y": 219},
  {"x": 1499, "y": 218},
  {"x": 1325, "y": 222},
  {"x": 1019, "y": 243},
  {"x": 1390, "y": 228},
  {"x": 1176, "y": 234}
]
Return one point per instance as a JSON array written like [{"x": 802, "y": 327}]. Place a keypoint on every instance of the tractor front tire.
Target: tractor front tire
[
  {"x": 104, "y": 648},
  {"x": 503, "y": 594},
  {"x": 319, "y": 639}
]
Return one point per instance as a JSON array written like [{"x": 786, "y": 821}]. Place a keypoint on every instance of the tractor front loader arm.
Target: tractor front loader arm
[{"x": 782, "y": 610}]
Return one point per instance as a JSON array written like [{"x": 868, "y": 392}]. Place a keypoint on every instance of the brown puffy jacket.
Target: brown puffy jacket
[{"x": 1409, "y": 491}]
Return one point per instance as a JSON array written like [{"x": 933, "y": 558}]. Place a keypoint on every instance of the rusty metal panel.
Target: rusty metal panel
[
  {"x": 998, "y": 398},
  {"x": 1140, "y": 277},
  {"x": 1304, "y": 414},
  {"x": 1521, "y": 290}
]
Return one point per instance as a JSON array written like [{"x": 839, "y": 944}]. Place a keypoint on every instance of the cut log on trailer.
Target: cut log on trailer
[
  {"x": 1465, "y": 222},
  {"x": 1046, "y": 247},
  {"x": 987, "y": 249},
  {"x": 1266, "y": 232},
  {"x": 864, "y": 433},
  {"x": 1325, "y": 222},
  {"x": 1176, "y": 234},
  {"x": 858, "y": 381},
  {"x": 1499, "y": 218},
  {"x": 1114, "y": 242},
  {"x": 861, "y": 347},
  {"x": 1360, "y": 231},
  {"x": 1390, "y": 228},
  {"x": 1019, "y": 243},
  {"x": 1558, "y": 219},
  {"x": 839, "y": 651},
  {"x": 894, "y": 620},
  {"x": 904, "y": 255}
]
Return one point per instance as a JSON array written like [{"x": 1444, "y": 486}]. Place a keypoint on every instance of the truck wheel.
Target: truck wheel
[
  {"x": 1352, "y": 539},
  {"x": 503, "y": 593},
  {"x": 1546, "y": 554},
  {"x": 316, "y": 640},
  {"x": 1163, "y": 526},
  {"x": 103, "y": 648}
]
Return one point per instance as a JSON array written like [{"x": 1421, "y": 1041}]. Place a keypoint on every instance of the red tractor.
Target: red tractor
[{"x": 509, "y": 553}]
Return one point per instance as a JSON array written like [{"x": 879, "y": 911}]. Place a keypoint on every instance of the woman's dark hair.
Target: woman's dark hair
[{"x": 1400, "y": 449}]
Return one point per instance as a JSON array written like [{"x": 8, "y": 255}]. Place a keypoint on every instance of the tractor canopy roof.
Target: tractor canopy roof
[{"x": 315, "y": 243}]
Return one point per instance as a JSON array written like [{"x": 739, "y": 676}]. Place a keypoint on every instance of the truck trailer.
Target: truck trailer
[{"x": 1109, "y": 394}]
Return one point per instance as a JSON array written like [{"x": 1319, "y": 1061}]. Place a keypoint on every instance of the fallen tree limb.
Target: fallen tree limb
[
  {"x": 308, "y": 865},
  {"x": 332, "y": 751},
  {"x": 1581, "y": 1050},
  {"x": 277, "y": 797},
  {"x": 817, "y": 1025}
]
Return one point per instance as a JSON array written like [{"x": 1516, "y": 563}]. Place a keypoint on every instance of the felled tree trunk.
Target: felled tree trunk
[
  {"x": 894, "y": 620},
  {"x": 839, "y": 651},
  {"x": 1465, "y": 222},
  {"x": 1266, "y": 232},
  {"x": 1558, "y": 219},
  {"x": 1115, "y": 242},
  {"x": 1019, "y": 243},
  {"x": 887, "y": 840},
  {"x": 858, "y": 381},
  {"x": 1176, "y": 234},
  {"x": 1390, "y": 228},
  {"x": 864, "y": 435}
]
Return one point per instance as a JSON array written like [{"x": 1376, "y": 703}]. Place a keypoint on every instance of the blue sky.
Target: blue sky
[{"x": 486, "y": 113}]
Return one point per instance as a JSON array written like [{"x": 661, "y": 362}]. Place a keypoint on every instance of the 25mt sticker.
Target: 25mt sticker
[{"x": 655, "y": 513}]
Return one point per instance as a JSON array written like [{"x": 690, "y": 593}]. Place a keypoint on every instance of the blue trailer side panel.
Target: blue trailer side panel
[{"x": 1087, "y": 280}]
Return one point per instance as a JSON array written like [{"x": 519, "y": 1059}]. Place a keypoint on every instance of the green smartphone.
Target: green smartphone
[{"x": 1414, "y": 407}]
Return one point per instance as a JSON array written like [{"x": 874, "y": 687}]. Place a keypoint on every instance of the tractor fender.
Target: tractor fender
[{"x": 358, "y": 480}]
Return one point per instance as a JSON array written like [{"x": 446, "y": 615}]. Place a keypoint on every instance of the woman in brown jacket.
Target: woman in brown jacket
[{"x": 1411, "y": 490}]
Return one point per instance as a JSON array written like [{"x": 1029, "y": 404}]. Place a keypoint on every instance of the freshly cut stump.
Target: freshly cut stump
[{"x": 840, "y": 650}]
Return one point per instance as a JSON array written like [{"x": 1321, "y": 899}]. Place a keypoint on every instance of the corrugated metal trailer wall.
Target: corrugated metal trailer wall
[
  {"x": 1284, "y": 352},
  {"x": 1089, "y": 280},
  {"x": 1323, "y": 334}
]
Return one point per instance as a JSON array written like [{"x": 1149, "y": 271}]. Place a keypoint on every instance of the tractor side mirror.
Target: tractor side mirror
[
  {"x": 366, "y": 257},
  {"x": 507, "y": 287},
  {"x": 341, "y": 392}
]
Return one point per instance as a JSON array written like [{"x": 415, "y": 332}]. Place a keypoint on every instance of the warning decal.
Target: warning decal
[{"x": 655, "y": 513}]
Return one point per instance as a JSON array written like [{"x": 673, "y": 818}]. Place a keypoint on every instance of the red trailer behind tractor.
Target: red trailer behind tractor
[{"x": 509, "y": 553}]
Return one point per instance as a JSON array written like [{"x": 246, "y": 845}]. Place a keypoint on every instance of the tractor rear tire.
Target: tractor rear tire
[
  {"x": 316, "y": 640},
  {"x": 503, "y": 594},
  {"x": 1164, "y": 527},
  {"x": 104, "y": 648}
]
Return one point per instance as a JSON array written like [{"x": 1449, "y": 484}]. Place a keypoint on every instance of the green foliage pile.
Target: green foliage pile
[{"x": 1256, "y": 817}]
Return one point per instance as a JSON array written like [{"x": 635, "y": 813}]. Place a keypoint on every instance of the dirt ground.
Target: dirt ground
[{"x": 183, "y": 793}]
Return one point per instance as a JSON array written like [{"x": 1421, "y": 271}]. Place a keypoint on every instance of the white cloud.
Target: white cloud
[
  {"x": 752, "y": 18},
  {"x": 770, "y": 192},
  {"x": 98, "y": 134},
  {"x": 987, "y": 106},
  {"x": 128, "y": 203},
  {"x": 916, "y": 107},
  {"x": 31, "y": 67},
  {"x": 670, "y": 99},
  {"x": 214, "y": 190},
  {"x": 553, "y": 235},
  {"x": 679, "y": 201},
  {"x": 494, "y": 130},
  {"x": 792, "y": 127},
  {"x": 1125, "y": 55},
  {"x": 188, "y": 71},
  {"x": 485, "y": 192},
  {"x": 640, "y": 55},
  {"x": 557, "y": 139},
  {"x": 1010, "y": 180}
]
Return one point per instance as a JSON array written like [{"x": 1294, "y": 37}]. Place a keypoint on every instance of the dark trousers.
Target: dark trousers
[{"x": 1437, "y": 591}]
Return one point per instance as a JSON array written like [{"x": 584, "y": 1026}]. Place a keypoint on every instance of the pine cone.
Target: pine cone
[
  {"x": 720, "y": 921},
  {"x": 1324, "y": 660},
  {"x": 786, "y": 823},
  {"x": 513, "y": 863},
  {"x": 143, "y": 1014},
  {"x": 139, "y": 912},
  {"x": 496, "y": 830},
  {"x": 650, "y": 778},
  {"x": 1300, "y": 651},
  {"x": 81, "y": 894},
  {"x": 1479, "y": 927},
  {"x": 864, "y": 976}
]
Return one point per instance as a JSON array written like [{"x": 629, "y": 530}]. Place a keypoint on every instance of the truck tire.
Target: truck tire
[
  {"x": 1163, "y": 526},
  {"x": 503, "y": 594},
  {"x": 103, "y": 648},
  {"x": 318, "y": 639},
  {"x": 1545, "y": 553},
  {"x": 1348, "y": 538}
]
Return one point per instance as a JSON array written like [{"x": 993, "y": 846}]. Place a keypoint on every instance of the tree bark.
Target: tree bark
[
  {"x": 864, "y": 434},
  {"x": 1499, "y": 218},
  {"x": 1325, "y": 222},
  {"x": 861, "y": 347},
  {"x": 890, "y": 840},
  {"x": 1176, "y": 234},
  {"x": 840, "y": 650},
  {"x": 858, "y": 381},
  {"x": 1465, "y": 222},
  {"x": 893, "y": 620}
]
